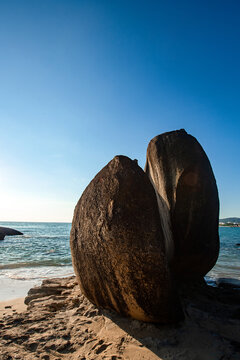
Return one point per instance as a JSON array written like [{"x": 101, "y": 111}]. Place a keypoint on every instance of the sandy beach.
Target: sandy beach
[
  {"x": 60, "y": 323},
  {"x": 9, "y": 307}
]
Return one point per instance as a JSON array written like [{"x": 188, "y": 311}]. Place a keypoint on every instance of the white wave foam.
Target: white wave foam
[{"x": 37, "y": 273}]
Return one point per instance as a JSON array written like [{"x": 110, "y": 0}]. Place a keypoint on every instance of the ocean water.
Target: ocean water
[
  {"x": 228, "y": 264},
  {"x": 44, "y": 251}
]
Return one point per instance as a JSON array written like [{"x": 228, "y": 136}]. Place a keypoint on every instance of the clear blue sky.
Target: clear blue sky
[{"x": 83, "y": 81}]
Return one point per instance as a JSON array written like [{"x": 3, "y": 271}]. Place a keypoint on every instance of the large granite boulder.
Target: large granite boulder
[
  {"x": 4, "y": 231},
  {"x": 188, "y": 202},
  {"x": 118, "y": 248}
]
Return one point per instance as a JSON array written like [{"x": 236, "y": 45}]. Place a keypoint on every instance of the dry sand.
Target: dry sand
[
  {"x": 10, "y": 307},
  {"x": 60, "y": 323}
]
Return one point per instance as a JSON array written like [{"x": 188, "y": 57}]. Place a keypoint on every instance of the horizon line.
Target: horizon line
[{"x": 51, "y": 222}]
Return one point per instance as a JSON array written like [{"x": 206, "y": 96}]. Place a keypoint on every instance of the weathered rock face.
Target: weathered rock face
[
  {"x": 118, "y": 247},
  {"x": 8, "y": 231},
  {"x": 188, "y": 202}
]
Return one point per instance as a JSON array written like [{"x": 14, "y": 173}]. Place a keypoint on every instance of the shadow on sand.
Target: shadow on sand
[{"x": 211, "y": 329}]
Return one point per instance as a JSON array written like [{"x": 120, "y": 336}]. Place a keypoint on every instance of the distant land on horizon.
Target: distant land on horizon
[{"x": 230, "y": 220}]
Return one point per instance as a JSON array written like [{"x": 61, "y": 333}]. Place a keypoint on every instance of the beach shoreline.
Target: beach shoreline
[
  {"x": 12, "y": 289},
  {"x": 58, "y": 322}
]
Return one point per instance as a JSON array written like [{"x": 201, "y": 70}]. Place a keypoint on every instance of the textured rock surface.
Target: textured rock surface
[
  {"x": 118, "y": 248},
  {"x": 188, "y": 202},
  {"x": 67, "y": 326},
  {"x": 8, "y": 231}
]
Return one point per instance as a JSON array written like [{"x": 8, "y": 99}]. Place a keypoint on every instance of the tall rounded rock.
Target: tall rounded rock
[
  {"x": 188, "y": 202},
  {"x": 117, "y": 245}
]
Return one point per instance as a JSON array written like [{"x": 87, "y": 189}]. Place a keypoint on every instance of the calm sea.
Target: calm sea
[{"x": 43, "y": 251}]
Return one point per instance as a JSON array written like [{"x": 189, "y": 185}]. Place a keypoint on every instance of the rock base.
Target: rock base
[{"x": 60, "y": 323}]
